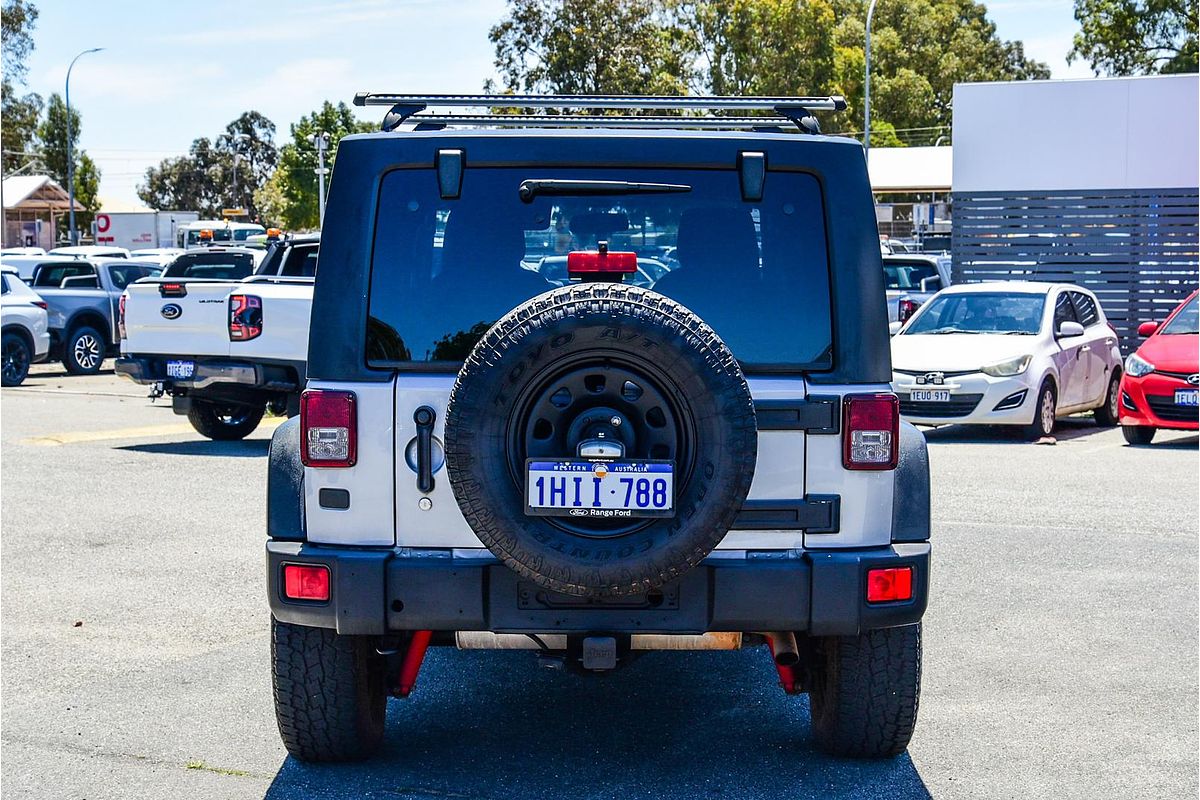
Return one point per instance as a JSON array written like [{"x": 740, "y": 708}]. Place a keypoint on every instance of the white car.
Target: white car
[
  {"x": 1007, "y": 353},
  {"x": 157, "y": 255},
  {"x": 90, "y": 251},
  {"x": 26, "y": 333}
]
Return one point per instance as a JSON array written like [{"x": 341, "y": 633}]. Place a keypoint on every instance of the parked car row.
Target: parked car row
[{"x": 1026, "y": 353}]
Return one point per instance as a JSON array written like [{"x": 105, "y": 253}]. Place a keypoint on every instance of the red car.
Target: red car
[{"x": 1160, "y": 384}]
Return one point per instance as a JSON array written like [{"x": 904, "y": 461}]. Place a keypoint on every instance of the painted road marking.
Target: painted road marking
[{"x": 145, "y": 431}]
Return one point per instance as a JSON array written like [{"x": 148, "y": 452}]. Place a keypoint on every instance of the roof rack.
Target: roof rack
[{"x": 794, "y": 112}]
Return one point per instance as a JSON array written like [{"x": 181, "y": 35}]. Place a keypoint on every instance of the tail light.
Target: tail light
[
  {"x": 329, "y": 429},
  {"x": 42, "y": 304},
  {"x": 245, "y": 317},
  {"x": 306, "y": 581},
  {"x": 121, "y": 317},
  {"x": 905, "y": 308},
  {"x": 870, "y": 430},
  {"x": 889, "y": 585}
]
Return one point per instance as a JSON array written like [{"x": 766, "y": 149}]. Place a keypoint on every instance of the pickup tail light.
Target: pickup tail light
[
  {"x": 870, "y": 431},
  {"x": 328, "y": 428},
  {"x": 306, "y": 582},
  {"x": 905, "y": 308},
  {"x": 121, "y": 317},
  {"x": 245, "y": 317}
]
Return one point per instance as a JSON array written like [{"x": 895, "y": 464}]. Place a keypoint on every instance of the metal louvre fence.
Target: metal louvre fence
[{"x": 1136, "y": 249}]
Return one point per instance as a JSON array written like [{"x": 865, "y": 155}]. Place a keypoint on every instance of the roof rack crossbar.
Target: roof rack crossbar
[
  {"x": 609, "y": 101},
  {"x": 594, "y": 121}
]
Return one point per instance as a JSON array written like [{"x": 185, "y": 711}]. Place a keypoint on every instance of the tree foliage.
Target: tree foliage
[
  {"x": 1136, "y": 37},
  {"x": 52, "y": 141},
  {"x": 19, "y": 111},
  {"x": 920, "y": 49},
  {"x": 290, "y": 197},
  {"x": 203, "y": 180}
]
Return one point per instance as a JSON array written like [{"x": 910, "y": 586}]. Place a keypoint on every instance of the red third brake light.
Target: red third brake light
[
  {"x": 889, "y": 585},
  {"x": 306, "y": 582},
  {"x": 328, "y": 429},
  {"x": 600, "y": 262},
  {"x": 245, "y": 317},
  {"x": 870, "y": 429}
]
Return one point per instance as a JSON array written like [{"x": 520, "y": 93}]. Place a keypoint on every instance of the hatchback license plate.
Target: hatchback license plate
[
  {"x": 600, "y": 489},
  {"x": 181, "y": 370},
  {"x": 931, "y": 396},
  {"x": 1186, "y": 397}
]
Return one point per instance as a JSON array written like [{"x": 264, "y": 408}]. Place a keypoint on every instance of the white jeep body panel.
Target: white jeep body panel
[{"x": 385, "y": 507}]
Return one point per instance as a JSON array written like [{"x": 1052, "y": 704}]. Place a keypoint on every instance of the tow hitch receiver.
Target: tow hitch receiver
[{"x": 599, "y": 652}]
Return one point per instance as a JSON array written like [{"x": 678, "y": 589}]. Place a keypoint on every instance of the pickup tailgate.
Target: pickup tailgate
[
  {"x": 286, "y": 307},
  {"x": 193, "y": 324}
]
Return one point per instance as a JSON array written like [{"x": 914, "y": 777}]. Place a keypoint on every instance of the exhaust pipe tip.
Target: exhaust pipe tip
[
  {"x": 787, "y": 659},
  {"x": 783, "y": 647}
]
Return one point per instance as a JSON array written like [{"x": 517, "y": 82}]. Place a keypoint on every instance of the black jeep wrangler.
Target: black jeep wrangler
[{"x": 591, "y": 386}]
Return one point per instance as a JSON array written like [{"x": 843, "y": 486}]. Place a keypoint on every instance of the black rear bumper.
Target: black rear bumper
[
  {"x": 214, "y": 373},
  {"x": 377, "y": 591}
]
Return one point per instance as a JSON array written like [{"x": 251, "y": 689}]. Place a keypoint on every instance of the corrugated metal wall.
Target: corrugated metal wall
[{"x": 1137, "y": 249}]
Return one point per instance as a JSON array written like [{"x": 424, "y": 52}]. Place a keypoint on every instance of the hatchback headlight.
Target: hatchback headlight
[
  {"x": 1006, "y": 369},
  {"x": 1137, "y": 366}
]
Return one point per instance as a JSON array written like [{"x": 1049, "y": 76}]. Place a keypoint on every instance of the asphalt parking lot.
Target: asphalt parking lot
[{"x": 1060, "y": 650}]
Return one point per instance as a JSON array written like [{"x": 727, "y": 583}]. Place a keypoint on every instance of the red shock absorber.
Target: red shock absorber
[{"x": 411, "y": 665}]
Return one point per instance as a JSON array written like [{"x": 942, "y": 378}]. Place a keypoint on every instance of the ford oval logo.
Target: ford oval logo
[
  {"x": 171, "y": 311},
  {"x": 1193, "y": 379}
]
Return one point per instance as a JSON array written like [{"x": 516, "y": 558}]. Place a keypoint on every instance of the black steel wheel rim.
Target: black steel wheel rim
[{"x": 553, "y": 413}]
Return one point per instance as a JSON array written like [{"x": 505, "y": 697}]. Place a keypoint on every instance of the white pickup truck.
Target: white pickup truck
[{"x": 225, "y": 339}]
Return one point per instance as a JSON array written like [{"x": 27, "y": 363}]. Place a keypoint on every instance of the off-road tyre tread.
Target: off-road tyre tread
[
  {"x": 866, "y": 691},
  {"x": 330, "y": 696},
  {"x": 203, "y": 417},
  {"x": 617, "y": 301}
]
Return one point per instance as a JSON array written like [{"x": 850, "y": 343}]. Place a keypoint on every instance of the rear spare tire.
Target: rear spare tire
[{"x": 575, "y": 363}]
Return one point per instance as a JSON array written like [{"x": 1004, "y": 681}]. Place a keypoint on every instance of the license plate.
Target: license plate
[
  {"x": 931, "y": 396},
  {"x": 1186, "y": 397},
  {"x": 181, "y": 370},
  {"x": 600, "y": 489}
]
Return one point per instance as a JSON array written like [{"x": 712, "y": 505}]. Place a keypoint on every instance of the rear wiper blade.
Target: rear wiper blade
[{"x": 531, "y": 188}]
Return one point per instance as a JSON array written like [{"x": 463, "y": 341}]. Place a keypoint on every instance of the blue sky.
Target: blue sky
[{"x": 174, "y": 71}]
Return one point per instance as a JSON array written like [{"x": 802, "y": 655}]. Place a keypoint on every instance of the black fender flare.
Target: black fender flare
[
  {"x": 285, "y": 483},
  {"x": 910, "y": 487}
]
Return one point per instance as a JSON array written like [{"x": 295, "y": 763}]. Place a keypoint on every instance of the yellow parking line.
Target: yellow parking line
[{"x": 78, "y": 437}]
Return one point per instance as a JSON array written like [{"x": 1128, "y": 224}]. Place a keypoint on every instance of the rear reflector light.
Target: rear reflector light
[
  {"x": 600, "y": 262},
  {"x": 121, "y": 317},
  {"x": 889, "y": 585},
  {"x": 905, "y": 308},
  {"x": 328, "y": 423},
  {"x": 172, "y": 290},
  {"x": 306, "y": 582},
  {"x": 245, "y": 317},
  {"x": 870, "y": 428}
]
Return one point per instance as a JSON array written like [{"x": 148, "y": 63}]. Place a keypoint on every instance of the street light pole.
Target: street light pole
[
  {"x": 867, "y": 84},
  {"x": 74, "y": 234},
  {"x": 321, "y": 140}
]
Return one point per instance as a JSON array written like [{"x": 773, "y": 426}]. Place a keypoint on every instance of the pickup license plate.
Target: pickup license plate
[
  {"x": 181, "y": 370},
  {"x": 1186, "y": 397},
  {"x": 600, "y": 489},
  {"x": 930, "y": 396}
]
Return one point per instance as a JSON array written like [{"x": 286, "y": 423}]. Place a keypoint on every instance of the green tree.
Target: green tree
[
  {"x": 1136, "y": 37},
  {"x": 590, "y": 47},
  {"x": 18, "y": 134},
  {"x": 292, "y": 191},
  {"x": 52, "y": 139},
  {"x": 203, "y": 180}
]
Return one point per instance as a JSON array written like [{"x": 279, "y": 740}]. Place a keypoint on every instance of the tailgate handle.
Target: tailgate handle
[{"x": 424, "y": 417}]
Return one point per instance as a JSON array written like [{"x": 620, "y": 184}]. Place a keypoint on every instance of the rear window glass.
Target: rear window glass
[
  {"x": 899, "y": 274},
  {"x": 51, "y": 275},
  {"x": 121, "y": 276},
  {"x": 444, "y": 271},
  {"x": 301, "y": 262},
  {"x": 1085, "y": 309},
  {"x": 222, "y": 266}
]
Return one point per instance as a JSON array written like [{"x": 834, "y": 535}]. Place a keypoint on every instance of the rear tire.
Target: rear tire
[
  {"x": 1108, "y": 414},
  {"x": 83, "y": 351},
  {"x": 16, "y": 359},
  {"x": 330, "y": 693},
  {"x": 1138, "y": 434},
  {"x": 865, "y": 692},
  {"x": 224, "y": 423},
  {"x": 1044, "y": 413}
]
